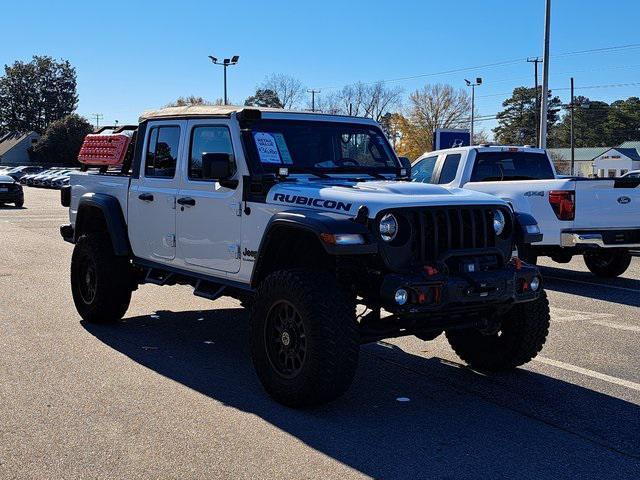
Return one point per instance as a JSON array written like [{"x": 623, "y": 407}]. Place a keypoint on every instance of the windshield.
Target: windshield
[
  {"x": 503, "y": 166},
  {"x": 323, "y": 146}
]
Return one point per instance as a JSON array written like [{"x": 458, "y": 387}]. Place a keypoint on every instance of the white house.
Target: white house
[
  {"x": 616, "y": 162},
  {"x": 14, "y": 147}
]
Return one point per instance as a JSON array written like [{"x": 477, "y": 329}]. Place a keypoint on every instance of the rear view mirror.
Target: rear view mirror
[{"x": 216, "y": 166}]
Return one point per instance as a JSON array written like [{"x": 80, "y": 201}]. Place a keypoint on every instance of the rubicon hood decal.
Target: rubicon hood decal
[
  {"x": 346, "y": 197},
  {"x": 312, "y": 202}
]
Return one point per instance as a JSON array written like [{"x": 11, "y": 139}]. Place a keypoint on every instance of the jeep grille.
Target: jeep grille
[{"x": 450, "y": 228}]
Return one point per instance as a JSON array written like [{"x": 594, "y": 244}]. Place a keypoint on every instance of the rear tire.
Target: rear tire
[
  {"x": 522, "y": 335},
  {"x": 101, "y": 282},
  {"x": 19, "y": 204},
  {"x": 609, "y": 264},
  {"x": 304, "y": 337}
]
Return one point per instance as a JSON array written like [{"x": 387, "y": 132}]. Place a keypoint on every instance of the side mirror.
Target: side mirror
[
  {"x": 219, "y": 166},
  {"x": 216, "y": 166},
  {"x": 406, "y": 164}
]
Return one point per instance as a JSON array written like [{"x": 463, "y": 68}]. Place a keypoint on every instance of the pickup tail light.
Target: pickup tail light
[{"x": 563, "y": 203}]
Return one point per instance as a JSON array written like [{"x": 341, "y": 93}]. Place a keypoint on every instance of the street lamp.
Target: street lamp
[
  {"x": 225, "y": 63},
  {"x": 473, "y": 86}
]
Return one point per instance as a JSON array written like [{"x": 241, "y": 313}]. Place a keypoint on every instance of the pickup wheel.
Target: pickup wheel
[
  {"x": 521, "y": 336},
  {"x": 100, "y": 281},
  {"x": 608, "y": 264},
  {"x": 304, "y": 337}
]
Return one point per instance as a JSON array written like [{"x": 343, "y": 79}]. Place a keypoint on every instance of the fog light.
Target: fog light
[
  {"x": 401, "y": 296},
  {"x": 534, "y": 284}
]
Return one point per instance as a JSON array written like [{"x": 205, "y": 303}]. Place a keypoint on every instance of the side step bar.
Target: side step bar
[
  {"x": 209, "y": 290},
  {"x": 157, "y": 276}
]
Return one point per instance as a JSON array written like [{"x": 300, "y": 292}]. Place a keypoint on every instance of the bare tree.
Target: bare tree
[
  {"x": 289, "y": 89},
  {"x": 189, "y": 100},
  {"x": 439, "y": 106},
  {"x": 361, "y": 100}
]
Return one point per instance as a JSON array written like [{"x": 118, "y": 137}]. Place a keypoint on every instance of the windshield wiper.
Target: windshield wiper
[
  {"x": 312, "y": 171},
  {"x": 359, "y": 171}
]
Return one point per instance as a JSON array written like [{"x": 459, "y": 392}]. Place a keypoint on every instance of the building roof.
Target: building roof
[
  {"x": 582, "y": 154},
  {"x": 223, "y": 111},
  {"x": 631, "y": 153},
  {"x": 10, "y": 140},
  {"x": 630, "y": 144}
]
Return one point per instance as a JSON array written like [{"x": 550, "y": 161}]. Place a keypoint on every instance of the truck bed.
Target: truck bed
[{"x": 88, "y": 183}]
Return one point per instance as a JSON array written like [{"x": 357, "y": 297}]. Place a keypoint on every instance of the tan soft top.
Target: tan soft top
[{"x": 222, "y": 111}]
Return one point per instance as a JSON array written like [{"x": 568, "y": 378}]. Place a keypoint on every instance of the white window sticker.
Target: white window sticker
[{"x": 267, "y": 147}]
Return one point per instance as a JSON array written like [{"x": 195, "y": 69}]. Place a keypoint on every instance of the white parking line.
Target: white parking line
[
  {"x": 634, "y": 290},
  {"x": 631, "y": 328},
  {"x": 589, "y": 373}
]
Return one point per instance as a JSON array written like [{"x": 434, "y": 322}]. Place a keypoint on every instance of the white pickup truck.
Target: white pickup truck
[
  {"x": 596, "y": 218},
  {"x": 301, "y": 216}
]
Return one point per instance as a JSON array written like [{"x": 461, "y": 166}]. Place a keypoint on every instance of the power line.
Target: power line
[
  {"x": 611, "y": 85},
  {"x": 98, "y": 117},
  {"x": 496, "y": 64}
]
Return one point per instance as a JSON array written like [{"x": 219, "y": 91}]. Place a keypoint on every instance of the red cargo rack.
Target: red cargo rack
[{"x": 104, "y": 150}]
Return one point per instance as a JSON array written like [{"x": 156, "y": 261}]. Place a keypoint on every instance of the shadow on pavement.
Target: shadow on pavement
[
  {"x": 457, "y": 424},
  {"x": 588, "y": 285}
]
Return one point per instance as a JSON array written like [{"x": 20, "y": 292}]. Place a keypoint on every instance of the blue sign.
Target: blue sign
[{"x": 450, "y": 138}]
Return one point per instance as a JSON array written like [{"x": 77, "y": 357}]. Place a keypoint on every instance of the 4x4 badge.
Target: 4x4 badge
[{"x": 624, "y": 200}]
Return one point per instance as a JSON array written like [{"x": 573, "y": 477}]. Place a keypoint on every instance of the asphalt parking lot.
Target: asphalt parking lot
[{"x": 170, "y": 391}]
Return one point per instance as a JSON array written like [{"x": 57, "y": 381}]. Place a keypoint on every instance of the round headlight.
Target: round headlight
[
  {"x": 499, "y": 222},
  {"x": 388, "y": 227},
  {"x": 535, "y": 284},
  {"x": 401, "y": 296}
]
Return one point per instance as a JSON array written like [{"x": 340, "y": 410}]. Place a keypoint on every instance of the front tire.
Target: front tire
[
  {"x": 609, "y": 264},
  {"x": 522, "y": 335},
  {"x": 304, "y": 337},
  {"x": 19, "y": 203},
  {"x": 100, "y": 281}
]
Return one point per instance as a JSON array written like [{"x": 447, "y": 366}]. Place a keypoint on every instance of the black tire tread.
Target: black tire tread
[
  {"x": 618, "y": 265},
  {"x": 524, "y": 332},
  {"x": 114, "y": 280},
  {"x": 332, "y": 325}
]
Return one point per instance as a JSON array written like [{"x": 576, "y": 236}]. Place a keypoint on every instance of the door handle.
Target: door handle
[
  {"x": 147, "y": 197},
  {"x": 187, "y": 201}
]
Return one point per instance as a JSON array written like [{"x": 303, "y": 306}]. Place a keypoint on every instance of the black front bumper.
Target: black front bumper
[
  {"x": 11, "y": 196},
  {"x": 437, "y": 293}
]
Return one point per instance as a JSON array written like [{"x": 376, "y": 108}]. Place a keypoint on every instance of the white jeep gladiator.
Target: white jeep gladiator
[
  {"x": 596, "y": 218},
  {"x": 302, "y": 217}
]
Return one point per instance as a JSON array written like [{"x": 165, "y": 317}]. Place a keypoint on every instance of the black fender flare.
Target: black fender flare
[
  {"x": 317, "y": 223},
  {"x": 525, "y": 235},
  {"x": 113, "y": 217}
]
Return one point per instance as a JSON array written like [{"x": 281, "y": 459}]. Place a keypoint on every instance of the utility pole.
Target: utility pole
[
  {"x": 535, "y": 62},
  {"x": 98, "y": 117},
  {"x": 573, "y": 150},
  {"x": 545, "y": 76},
  {"x": 313, "y": 98},
  {"x": 225, "y": 63},
  {"x": 473, "y": 86}
]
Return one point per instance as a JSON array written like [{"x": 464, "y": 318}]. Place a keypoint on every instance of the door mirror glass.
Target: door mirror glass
[{"x": 217, "y": 166}]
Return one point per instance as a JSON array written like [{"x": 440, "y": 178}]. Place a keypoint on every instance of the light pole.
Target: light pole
[
  {"x": 225, "y": 63},
  {"x": 473, "y": 86},
  {"x": 545, "y": 76}
]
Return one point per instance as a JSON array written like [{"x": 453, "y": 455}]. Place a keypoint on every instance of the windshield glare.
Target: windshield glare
[{"x": 323, "y": 146}]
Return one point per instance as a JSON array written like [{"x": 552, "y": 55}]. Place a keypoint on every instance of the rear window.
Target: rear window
[{"x": 504, "y": 166}]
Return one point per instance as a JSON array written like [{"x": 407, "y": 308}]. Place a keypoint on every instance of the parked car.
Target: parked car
[
  {"x": 19, "y": 172},
  {"x": 42, "y": 180},
  {"x": 632, "y": 174},
  {"x": 11, "y": 191},
  {"x": 302, "y": 216},
  {"x": 59, "y": 181},
  {"x": 596, "y": 218}
]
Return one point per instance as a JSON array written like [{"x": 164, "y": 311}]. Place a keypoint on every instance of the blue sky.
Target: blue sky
[{"x": 135, "y": 55}]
